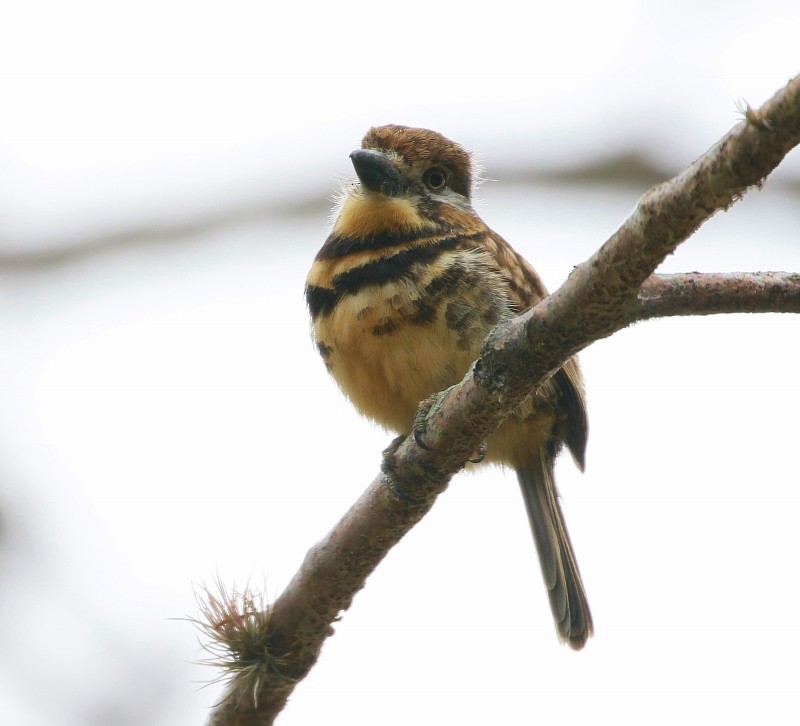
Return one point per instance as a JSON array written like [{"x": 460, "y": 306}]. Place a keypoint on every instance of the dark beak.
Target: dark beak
[{"x": 378, "y": 173}]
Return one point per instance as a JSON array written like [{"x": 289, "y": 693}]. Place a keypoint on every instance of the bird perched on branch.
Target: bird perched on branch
[{"x": 402, "y": 294}]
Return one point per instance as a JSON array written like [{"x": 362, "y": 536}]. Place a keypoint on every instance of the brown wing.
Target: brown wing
[
  {"x": 525, "y": 290},
  {"x": 524, "y": 284}
]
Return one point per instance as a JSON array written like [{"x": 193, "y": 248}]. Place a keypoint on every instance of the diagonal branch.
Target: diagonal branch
[{"x": 602, "y": 295}]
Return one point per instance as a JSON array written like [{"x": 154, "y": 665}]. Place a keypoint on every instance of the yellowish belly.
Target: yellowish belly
[{"x": 387, "y": 364}]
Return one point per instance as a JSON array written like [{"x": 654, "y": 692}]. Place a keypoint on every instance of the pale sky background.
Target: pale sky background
[{"x": 165, "y": 174}]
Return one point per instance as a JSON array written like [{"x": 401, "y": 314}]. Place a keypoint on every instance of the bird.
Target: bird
[{"x": 401, "y": 296}]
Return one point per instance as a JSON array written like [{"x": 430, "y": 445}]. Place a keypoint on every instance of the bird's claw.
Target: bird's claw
[
  {"x": 420, "y": 426},
  {"x": 420, "y": 441},
  {"x": 479, "y": 455}
]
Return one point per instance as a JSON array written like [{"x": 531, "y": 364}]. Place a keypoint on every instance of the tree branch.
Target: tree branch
[
  {"x": 692, "y": 293},
  {"x": 602, "y": 295}
]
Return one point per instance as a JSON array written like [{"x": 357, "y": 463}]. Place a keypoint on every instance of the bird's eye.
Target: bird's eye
[{"x": 435, "y": 178}]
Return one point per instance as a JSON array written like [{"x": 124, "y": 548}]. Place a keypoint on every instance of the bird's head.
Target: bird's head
[
  {"x": 395, "y": 160},
  {"x": 409, "y": 179}
]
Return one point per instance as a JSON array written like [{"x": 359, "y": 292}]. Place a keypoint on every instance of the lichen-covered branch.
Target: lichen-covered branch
[{"x": 612, "y": 289}]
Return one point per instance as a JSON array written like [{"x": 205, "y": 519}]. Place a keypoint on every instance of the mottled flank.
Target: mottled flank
[
  {"x": 424, "y": 311},
  {"x": 387, "y": 327},
  {"x": 460, "y": 316}
]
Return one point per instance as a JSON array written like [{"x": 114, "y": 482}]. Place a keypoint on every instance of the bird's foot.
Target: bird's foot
[
  {"x": 420, "y": 427},
  {"x": 479, "y": 455}
]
